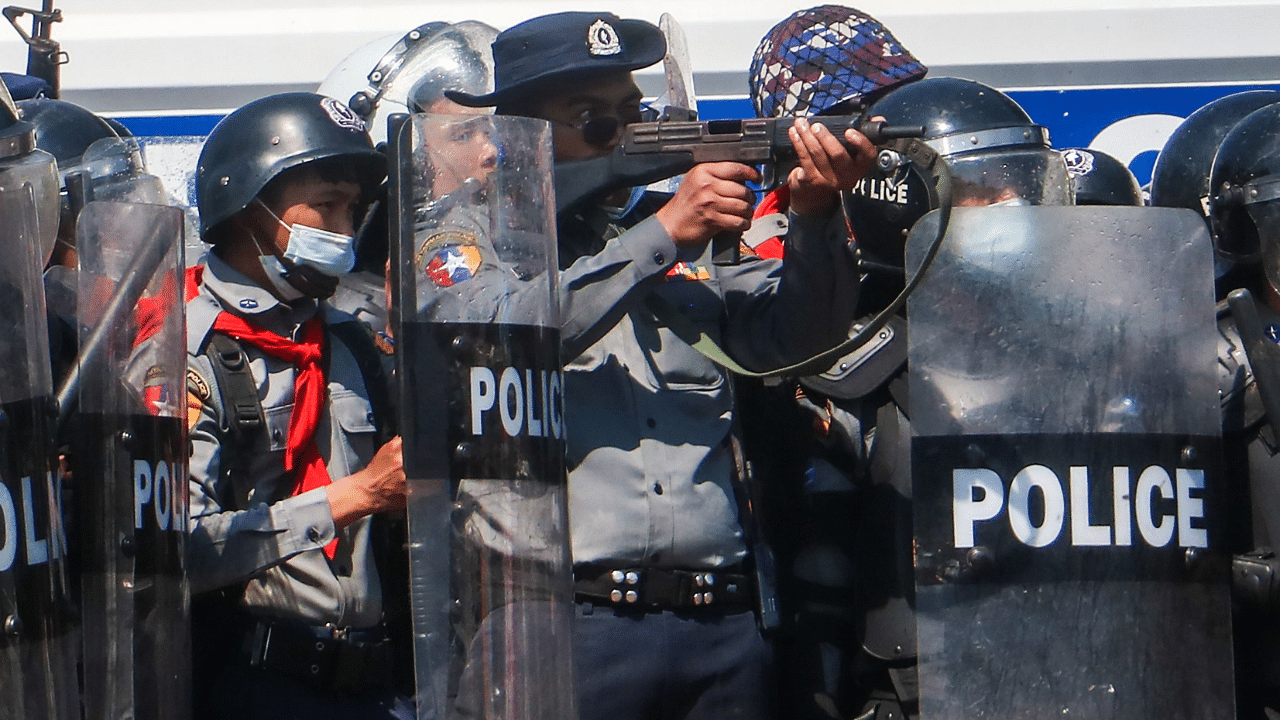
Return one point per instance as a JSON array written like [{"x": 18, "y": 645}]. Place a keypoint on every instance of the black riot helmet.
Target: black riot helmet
[
  {"x": 65, "y": 130},
  {"x": 1180, "y": 177},
  {"x": 1244, "y": 192},
  {"x": 995, "y": 152},
  {"x": 254, "y": 144},
  {"x": 1100, "y": 179}
]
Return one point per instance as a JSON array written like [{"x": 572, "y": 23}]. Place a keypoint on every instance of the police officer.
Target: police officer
[
  {"x": 1245, "y": 217},
  {"x": 405, "y": 75},
  {"x": 1180, "y": 177},
  {"x": 845, "y": 505},
  {"x": 854, "y": 61},
  {"x": 287, "y": 470},
  {"x": 664, "y": 627}
]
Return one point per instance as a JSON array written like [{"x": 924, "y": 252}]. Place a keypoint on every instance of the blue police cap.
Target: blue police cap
[{"x": 567, "y": 43}]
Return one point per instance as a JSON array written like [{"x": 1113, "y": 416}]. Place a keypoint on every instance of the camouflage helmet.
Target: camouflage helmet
[{"x": 822, "y": 57}]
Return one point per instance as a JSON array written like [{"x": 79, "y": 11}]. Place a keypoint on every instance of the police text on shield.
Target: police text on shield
[
  {"x": 526, "y": 402},
  {"x": 1137, "y": 499}
]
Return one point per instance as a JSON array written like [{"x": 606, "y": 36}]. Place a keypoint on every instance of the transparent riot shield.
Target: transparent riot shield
[
  {"x": 37, "y": 624},
  {"x": 1066, "y": 452},
  {"x": 173, "y": 159},
  {"x": 478, "y": 345},
  {"x": 129, "y": 451}
]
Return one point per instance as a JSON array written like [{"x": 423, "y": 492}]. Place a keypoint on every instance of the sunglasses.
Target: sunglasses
[{"x": 600, "y": 130}]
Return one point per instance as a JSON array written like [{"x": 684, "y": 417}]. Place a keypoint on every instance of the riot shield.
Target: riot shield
[
  {"x": 37, "y": 628},
  {"x": 129, "y": 453},
  {"x": 1066, "y": 467},
  {"x": 477, "y": 341},
  {"x": 173, "y": 159}
]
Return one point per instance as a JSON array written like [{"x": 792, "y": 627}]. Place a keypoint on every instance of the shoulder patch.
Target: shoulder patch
[
  {"x": 453, "y": 264},
  {"x": 194, "y": 406},
  {"x": 197, "y": 386}
]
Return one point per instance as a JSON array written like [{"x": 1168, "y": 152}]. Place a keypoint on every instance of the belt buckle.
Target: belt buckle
[
  {"x": 337, "y": 633},
  {"x": 628, "y": 584}
]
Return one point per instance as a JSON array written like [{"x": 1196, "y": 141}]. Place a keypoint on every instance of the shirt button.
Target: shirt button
[
  {"x": 313, "y": 535},
  {"x": 275, "y": 435},
  {"x": 657, "y": 488},
  {"x": 651, "y": 423},
  {"x": 369, "y": 417},
  {"x": 660, "y": 258}
]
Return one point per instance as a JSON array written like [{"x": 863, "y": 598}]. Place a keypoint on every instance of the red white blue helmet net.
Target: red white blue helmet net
[{"x": 823, "y": 56}]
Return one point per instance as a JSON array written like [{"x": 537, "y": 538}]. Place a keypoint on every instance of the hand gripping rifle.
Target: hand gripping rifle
[{"x": 655, "y": 151}]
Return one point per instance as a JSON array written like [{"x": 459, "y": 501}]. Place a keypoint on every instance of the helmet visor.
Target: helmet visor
[
  {"x": 1266, "y": 224},
  {"x": 1031, "y": 176}
]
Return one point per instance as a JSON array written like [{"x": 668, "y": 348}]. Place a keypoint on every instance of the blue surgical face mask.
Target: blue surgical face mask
[
  {"x": 331, "y": 253},
  {"x": 277, "y": 273}
]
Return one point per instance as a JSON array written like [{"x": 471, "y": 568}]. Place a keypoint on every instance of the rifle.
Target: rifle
[
  {"x": 44, "y": 54},
  {"x": 655, "y": 151}
]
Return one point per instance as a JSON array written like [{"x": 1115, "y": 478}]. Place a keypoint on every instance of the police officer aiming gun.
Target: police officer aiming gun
[{"x": 664, "y": 624}]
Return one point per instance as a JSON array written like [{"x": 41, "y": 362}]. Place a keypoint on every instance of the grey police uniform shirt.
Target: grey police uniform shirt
[
  {"x": 648, "y": 419},
  {"x": 252, "y": 530}
]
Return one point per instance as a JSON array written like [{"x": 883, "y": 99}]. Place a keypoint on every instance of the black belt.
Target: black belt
[
  {"x": 335, "y": 660},
  {"x": 652, "y": 588}
]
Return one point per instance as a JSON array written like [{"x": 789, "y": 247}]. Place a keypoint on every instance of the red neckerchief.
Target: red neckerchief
[
  {"x": 775, "y": 202},
  {"x": 301, "y": 455}
]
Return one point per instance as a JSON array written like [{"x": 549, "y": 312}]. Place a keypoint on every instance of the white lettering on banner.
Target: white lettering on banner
[
  {"x": 483, "y": 397},
  {"x": 528, "y": 404},
  {"x": 1041, "y": 478},
  {"x": 143, "y": 481},
  {"x": 158, "y": 487},
  {"x": 968, "y": 512},
  {"x": 883, "y": 190},
  {"x": 9, "y": 515},
  {"x": 978, "y": 496},
  {"x": 26, "y": 528},
  {"x": 511, "y": 397},
  {"x": 1083, "y": 532},
  {"x": 37, "y": 549}
]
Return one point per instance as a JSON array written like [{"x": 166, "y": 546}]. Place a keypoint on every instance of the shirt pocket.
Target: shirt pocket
[
  {"x": 354, "y": 417},
  {"x": 675, "y": 364}
]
